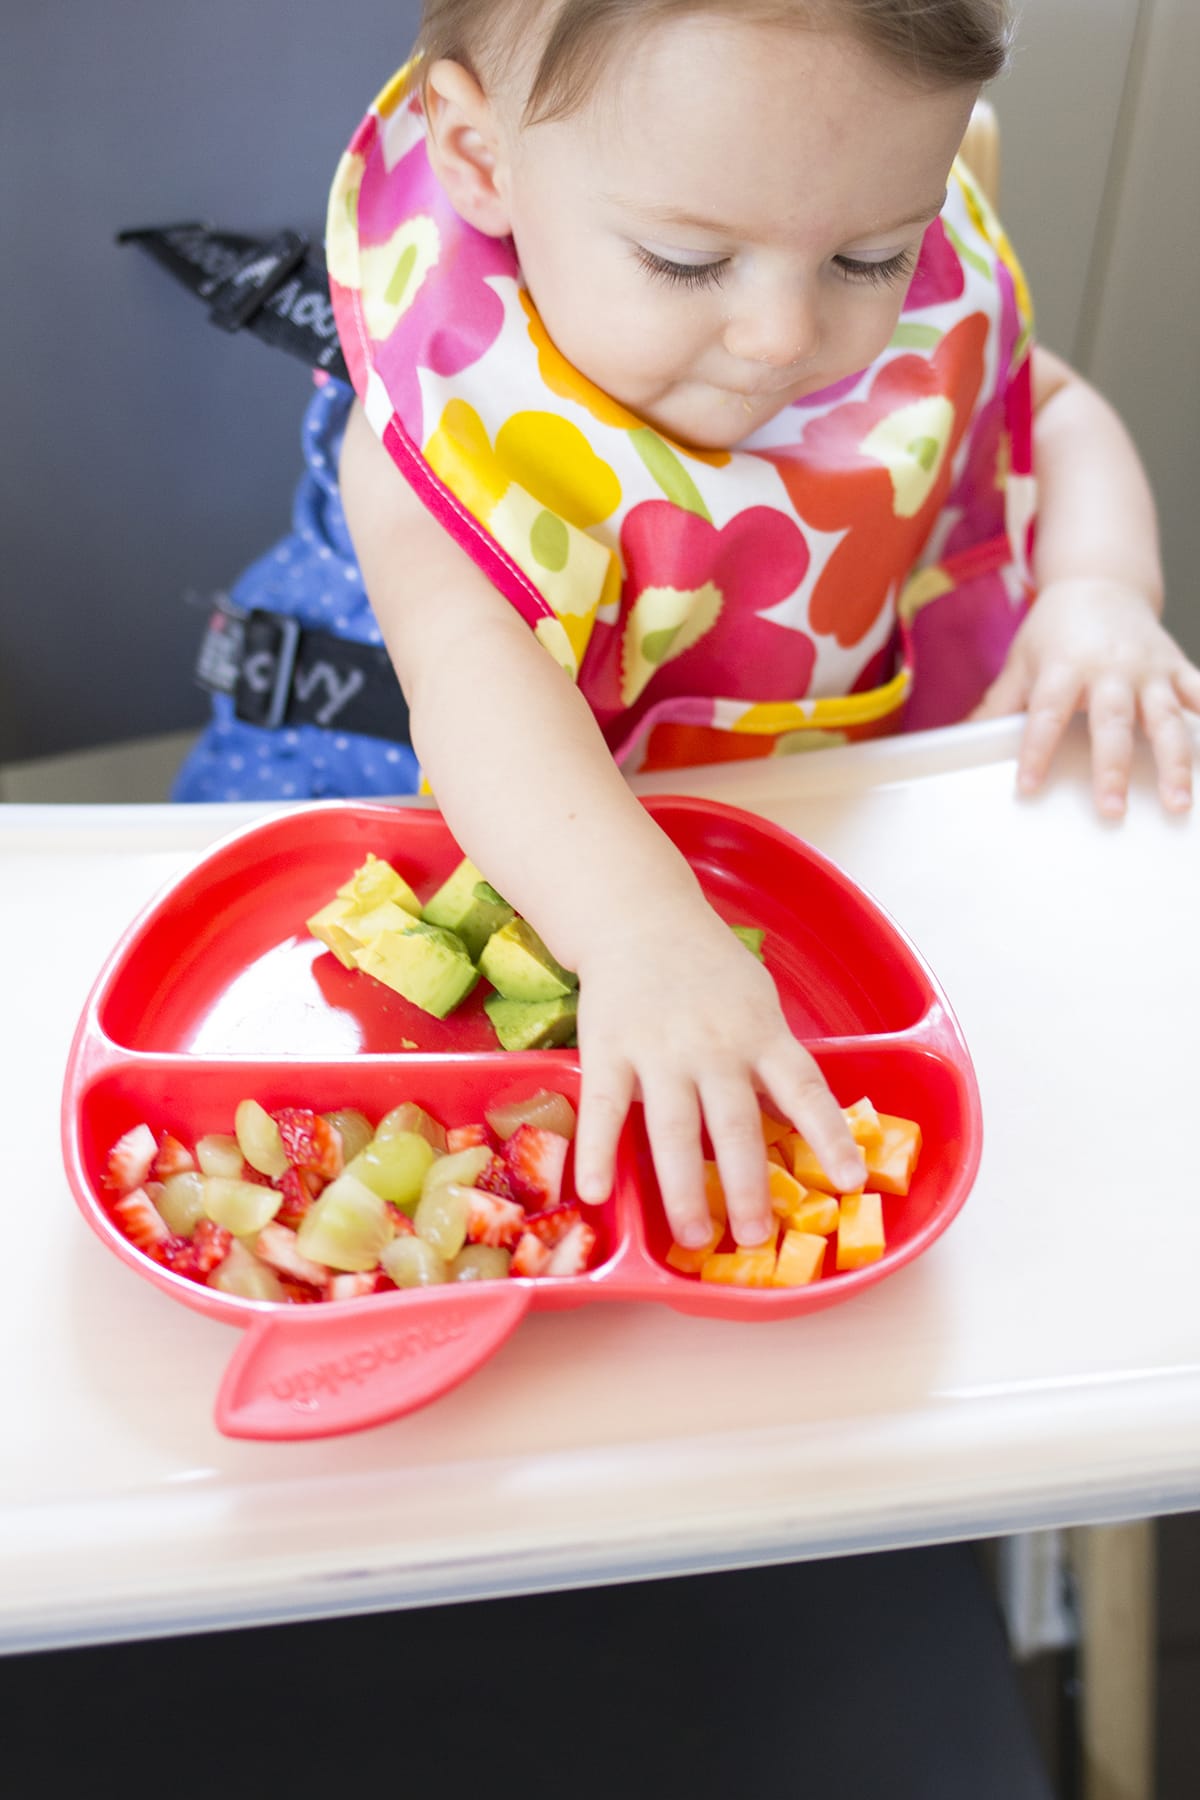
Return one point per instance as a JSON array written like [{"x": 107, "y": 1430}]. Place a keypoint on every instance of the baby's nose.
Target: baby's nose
[{"x": 778, "y": 329}]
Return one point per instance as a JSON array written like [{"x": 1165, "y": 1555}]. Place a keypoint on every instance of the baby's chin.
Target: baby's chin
[{"x": 713, "y": 419}]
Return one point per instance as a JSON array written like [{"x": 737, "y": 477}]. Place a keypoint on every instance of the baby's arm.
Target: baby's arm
[
  {"x": 672, "y": 1007},
  {"x": 1092, "y": 640}
]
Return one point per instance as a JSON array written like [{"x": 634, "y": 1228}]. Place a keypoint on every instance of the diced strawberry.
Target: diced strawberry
[
  {"x": 495, "y": 1179},
  {"x": 141, "y": 1222},
  {"x": 351, "y": 1287},
  {"x": 277, "y": 1247},
  {"x": 530, "y": 1256},
  {"x": 553, "y": 1225},
  {"x": 298, "y": 1293},
  {"x": 493, "y": 1220},
  {"x": 171, "y": 1158},
  {"x": 250, "y": 1173},
  {"x": 571, "y": 1255},
  {"x": 311, "y": 1142},
  {"x": 299, "y": 1188},
  {"x": 468, "y": 1137},
  {"x": 400, "y": 1219},
  {"x": 197, "y": 1256},
  {"x": 535, "y": 1160},
  {"x": 130, "y": 1158}
]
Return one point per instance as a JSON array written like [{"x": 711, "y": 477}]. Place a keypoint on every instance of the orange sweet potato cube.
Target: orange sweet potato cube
[
  {"x": 816, "y": 1212},
  {"x": 800, "y": 1260},
  {"x": 772, "y": 1129},
  {"x": 690, "y": 1261},
  {"x": 741, "y": 1268},
  {"x": 775, "y": 1155},
  {"x": 802, "y": 1159},
  {"x": 864, "y": 1124},
  {"x": 714, "y": 1193},
  {"x": 860, "y": 1237},
  {"x": 783, "y": 1190},
  {"x": 891, "y": 1162}
]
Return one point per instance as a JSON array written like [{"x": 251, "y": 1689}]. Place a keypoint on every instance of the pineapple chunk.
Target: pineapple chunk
[
  {"x": 800, "y": 1260},
  {"x": 860, "y": 1238}
]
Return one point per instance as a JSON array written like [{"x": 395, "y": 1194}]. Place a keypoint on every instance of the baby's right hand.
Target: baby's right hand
[{"x": 675, "y": 1011}]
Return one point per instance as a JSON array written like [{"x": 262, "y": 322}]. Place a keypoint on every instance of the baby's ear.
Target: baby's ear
[{"x": 465, "y": 146}]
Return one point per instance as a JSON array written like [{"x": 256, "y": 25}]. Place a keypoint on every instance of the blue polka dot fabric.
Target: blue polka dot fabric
[{"x": 311, "y": 575}]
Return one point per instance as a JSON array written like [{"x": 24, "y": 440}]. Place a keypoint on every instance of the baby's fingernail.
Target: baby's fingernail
[
  {"x": 1179, "y": 798},
  {"x": 851, "y": 1176},
  {"x": 590, "y": 1188},
  {"x": 694, "y": 1234},
  {"x": 757, "y": 1231}
]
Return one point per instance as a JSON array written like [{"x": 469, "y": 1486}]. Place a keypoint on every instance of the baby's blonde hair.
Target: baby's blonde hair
[{"x": 943, "y": 43}]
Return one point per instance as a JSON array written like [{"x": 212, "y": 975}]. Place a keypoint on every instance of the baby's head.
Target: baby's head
[{"x": 716, "y": 207}]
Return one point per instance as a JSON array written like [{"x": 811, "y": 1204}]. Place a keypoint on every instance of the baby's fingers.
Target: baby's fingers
[
  {"x": 603, "y": 1104},
  {"x": 1052, "y": 705},
  {"x": 1112, "y": 719},
  {"x": 673, "y": 1126},
  {"x": 799, "y": 1091},
  {"x": 731, "y": 1112},
  {"x": 1170, "y": 739}
]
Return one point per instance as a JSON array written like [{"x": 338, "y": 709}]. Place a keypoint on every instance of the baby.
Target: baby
[{"x": 698, "y": 410}]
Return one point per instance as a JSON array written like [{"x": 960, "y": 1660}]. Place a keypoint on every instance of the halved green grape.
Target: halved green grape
[
  {"x": 411, "y": 1262},
  {"x": 259, "y": 1140},
  {"x": 354, "y": 1129},
  {"x": 463, "y": 1169},
  {"x": 441, "y": 1218},
  {"x": 217, "y": 1153},
  {"x": 395, "y": 1167},
  {"x": 479, "y": 1262},
  {"x": 180, "y": 1200},
  {"x": 346, "y": 1227},
  {"x": 411, "y": 1117},
  {"x": 241, "y": 1206}
]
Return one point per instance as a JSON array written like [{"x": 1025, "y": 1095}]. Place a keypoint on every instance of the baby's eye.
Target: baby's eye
[
  {"x": 877, "y": 274},
  {"x": 678, "y": 274}
]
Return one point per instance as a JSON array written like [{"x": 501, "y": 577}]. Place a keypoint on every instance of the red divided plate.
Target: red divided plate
[{"x": 217, "y": 993}]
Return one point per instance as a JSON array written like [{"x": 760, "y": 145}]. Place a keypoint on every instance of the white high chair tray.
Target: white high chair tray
[{"x": 1040, "y": 1365}]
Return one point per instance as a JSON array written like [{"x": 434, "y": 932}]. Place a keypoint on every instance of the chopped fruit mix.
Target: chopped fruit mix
[
  {"x": 298, "y": 1206},
  {"x": 434, "y": 954},
  {"x": 809, "y": 1210}
]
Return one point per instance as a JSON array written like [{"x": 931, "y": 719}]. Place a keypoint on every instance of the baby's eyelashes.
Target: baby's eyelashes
[{"x": 681, "y": 274}]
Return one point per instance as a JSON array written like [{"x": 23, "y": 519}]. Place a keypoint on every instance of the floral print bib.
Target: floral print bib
[{"x": 859, "y": 564}]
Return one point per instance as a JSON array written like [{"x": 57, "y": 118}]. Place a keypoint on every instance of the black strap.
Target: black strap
[
  {"x": 282, "y": 673},
  {"x": 277, "y": 288}
]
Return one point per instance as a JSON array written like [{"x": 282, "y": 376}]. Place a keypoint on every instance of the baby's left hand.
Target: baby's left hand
[{"x": 1096, "y": 646}]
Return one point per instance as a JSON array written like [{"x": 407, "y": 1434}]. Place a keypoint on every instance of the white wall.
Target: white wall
[{"x": 1100, "y": 144}]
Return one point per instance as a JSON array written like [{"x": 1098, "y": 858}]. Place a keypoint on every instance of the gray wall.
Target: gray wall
[{"x": 146, "y": 455}]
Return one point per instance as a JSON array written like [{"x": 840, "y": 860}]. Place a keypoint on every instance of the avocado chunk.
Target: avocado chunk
[
  {"x": 425, "y": 963},
  {"x": 468, "y": 905},
  {"x": 532, "y": 1024},
  {"x": 752, "y": 936},
  {"x": 375, "y": 881},
  {"x": 520, "y": 967},
  {"x": 331, "y": 926}
]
